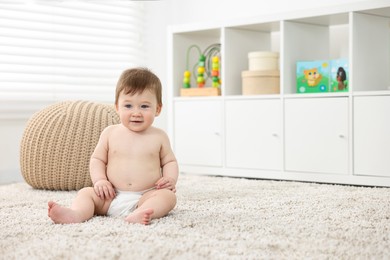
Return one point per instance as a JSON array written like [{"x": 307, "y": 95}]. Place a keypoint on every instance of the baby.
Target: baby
[{"x": 133, "y": 169}]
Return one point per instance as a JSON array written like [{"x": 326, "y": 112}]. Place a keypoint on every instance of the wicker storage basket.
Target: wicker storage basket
[
  {"x": 58, "y": 141},
  {"x": 260, "y": 82}
]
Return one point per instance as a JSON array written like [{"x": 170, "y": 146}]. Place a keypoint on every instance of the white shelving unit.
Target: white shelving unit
[{"x": 338, "y": 137}]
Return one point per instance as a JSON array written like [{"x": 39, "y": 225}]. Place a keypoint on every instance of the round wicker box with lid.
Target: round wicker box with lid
[{"x": 260, "y": 82}]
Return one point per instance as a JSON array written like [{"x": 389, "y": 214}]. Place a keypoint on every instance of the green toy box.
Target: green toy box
[
  {"x": 313, "y": 76},
  {"x": 322, "y": 76}
]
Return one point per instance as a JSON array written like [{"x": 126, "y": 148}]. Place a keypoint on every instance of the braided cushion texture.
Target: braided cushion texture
[{"x": 58, "y": 141}]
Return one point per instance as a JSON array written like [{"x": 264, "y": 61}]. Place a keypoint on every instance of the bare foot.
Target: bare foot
[
  {"x": 143, "y": 216},
  {"x": 61, "y": 215}
]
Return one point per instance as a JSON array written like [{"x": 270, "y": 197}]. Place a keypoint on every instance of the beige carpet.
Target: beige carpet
[{"x": 216, "y": 218}]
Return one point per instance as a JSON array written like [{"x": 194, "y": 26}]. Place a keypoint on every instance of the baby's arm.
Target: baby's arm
[
  {"x": 170, "y": 169},
  {"x": 97, "y": 166}
]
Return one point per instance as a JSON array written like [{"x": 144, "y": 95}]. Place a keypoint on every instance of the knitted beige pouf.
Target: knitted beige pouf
[{"x": 58, "y": 141}]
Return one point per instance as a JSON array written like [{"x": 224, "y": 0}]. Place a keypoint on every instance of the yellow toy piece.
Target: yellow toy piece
[
  {"x": 187, "y": 79},
  {"x": 201, "y": 70}
]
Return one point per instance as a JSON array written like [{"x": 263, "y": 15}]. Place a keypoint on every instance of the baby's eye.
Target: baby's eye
[
  {"x": 145, "y": 106},
  {"x": 128, "y": 106}
]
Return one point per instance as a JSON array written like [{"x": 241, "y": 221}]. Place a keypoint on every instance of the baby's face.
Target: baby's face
[{"x": 137, "y": 112}]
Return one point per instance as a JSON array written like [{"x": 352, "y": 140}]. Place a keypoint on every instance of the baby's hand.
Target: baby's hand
[
  {"x": 104, "y": 189},
  {"x": 166, "y": 183}
]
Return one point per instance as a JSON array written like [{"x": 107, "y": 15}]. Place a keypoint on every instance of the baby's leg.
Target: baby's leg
[
  {"x": 85, "y": 205},
  {"x": 153, "y": 204}
]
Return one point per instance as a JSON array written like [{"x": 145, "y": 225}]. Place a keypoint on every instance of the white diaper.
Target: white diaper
[{"x": 125, "y": 202}]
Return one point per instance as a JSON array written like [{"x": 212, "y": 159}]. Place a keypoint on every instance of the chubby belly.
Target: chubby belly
[{"x": 135, "y": 176}]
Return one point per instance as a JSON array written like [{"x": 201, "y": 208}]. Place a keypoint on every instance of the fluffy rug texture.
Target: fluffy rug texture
[{"x": 215, "y": 218}]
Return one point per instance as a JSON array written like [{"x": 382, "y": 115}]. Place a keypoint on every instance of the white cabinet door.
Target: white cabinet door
[
  {"x": 253, "y": 134},
  {"x": 197, "y": 132},
  {"x": 372, "y": 136},
  {"x": 316, "y": 135}
]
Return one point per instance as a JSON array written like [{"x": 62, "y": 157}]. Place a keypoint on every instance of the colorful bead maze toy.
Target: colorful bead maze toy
[{"x": 208, "y": 66}]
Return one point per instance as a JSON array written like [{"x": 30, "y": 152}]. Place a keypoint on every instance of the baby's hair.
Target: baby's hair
[{"x": 136, "y": 81}]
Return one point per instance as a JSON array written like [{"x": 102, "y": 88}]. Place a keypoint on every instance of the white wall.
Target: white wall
[
  {"x": 188, "y": 11},
  {"x": 160, "y": 14},
  {"x": 156, "y": 41},
  {"x": 11, "y": 131}
]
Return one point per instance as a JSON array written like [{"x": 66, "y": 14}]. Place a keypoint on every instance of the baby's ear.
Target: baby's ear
[{"x": 158, "y": 110}]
